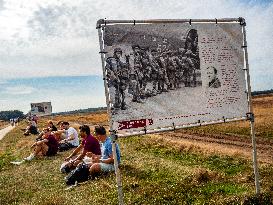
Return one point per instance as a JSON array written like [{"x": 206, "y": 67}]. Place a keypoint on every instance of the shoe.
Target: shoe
[{"x": 30, "y": 157}]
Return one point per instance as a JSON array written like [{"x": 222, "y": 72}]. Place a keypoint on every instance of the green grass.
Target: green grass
[{"x": 152, "y": 173}]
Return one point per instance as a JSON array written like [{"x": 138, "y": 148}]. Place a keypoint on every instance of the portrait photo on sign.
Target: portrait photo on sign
[{"x": 161, "y": 74}]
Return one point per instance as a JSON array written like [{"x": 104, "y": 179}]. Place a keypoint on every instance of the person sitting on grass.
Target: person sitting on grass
[
  {"x": 51, "y": 128},
  {"x": 47, "y": 146},
  {"x": 60, "y": 133},
  {"x": 105, "y": 163},
  {"x": 88, "y": 145},
  {"x": 71, "y": 140},
  {"x": 31, "y": 128}
]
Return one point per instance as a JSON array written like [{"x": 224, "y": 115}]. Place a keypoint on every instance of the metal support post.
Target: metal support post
[
  {"x": 250, "y": 114},
  {"x": 113, "y": 135}
]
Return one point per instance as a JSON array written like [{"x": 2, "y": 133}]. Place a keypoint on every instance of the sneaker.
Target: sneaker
[
  {"x": 30, "y": 157},
  {"x": 18, "y": 163}
]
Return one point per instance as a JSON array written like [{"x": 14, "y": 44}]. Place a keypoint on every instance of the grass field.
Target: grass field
[
  {"x": 153, "y": 171},
  {"x": 263, "y": 111}
]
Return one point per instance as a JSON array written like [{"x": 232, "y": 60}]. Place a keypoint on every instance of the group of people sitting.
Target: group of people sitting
[{"x": 94, "y": 151}]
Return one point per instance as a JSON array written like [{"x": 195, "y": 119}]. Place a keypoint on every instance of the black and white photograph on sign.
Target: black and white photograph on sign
[
  {"x": 167, "y": 74},
  {"x": 214, "y": 81}
]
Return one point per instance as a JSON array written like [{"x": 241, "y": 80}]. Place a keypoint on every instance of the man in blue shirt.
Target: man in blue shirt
[{"x": 104, "y": 164}]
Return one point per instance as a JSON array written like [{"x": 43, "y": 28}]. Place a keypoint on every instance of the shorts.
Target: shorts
[
  {"x": 107, "y": 167},
  {"x": 51, "y": 152},
  {"x": 65, "y": 146}
]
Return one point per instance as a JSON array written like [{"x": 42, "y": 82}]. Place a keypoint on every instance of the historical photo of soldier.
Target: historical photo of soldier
[
  {"x": 213, "y": 80},
  {"x": 143, "y": 65},
  {"x": 117, "y": 78}
]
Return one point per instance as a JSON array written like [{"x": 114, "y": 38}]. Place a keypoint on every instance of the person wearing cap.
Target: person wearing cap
[
  {"x": 117, "y": 79},
  {"x": 105, "y": 163}
]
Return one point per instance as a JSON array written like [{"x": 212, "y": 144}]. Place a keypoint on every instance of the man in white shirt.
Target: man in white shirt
[{"x": 71, "y": 140}]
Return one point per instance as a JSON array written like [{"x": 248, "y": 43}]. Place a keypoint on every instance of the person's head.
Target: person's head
[
  {"x": 117, "y": 52},
  {"x": 211, "y": 73},
  {"x": 60, "y": 124},
  {"x": 65, "y": 125},
  {"x": 46, "y": 132},
  {"x": 136, "y": 48},
  {"x": 154, "y": 52},
  {"x": 100, "y": 133},
  {"x": 49, "y": 123},
  {"x": 84, "y": 131}
]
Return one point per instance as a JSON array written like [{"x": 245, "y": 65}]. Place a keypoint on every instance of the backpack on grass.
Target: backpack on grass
[{"x": 79, "y": 174}]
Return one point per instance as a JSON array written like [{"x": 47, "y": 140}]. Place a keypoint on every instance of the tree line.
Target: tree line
[
  {"x": 264, "y": 92},
  {"x": 7, "y": 115}
]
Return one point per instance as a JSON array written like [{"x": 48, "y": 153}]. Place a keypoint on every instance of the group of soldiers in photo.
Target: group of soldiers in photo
[{"x": 148, "y": 72}]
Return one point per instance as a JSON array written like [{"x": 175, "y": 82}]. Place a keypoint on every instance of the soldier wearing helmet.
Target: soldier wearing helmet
[
  {"x": 188, "y": 69},
  {"x": 117, "y": 78}
]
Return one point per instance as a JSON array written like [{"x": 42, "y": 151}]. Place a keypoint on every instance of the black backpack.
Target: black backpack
[{"x": 79, "y": 174}]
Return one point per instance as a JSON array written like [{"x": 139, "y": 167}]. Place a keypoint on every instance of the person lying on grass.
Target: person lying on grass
[
  {"x": 47, "y": 146},
  {"x": 105, "y": 163},
  {"x": 88, "y": 145}
]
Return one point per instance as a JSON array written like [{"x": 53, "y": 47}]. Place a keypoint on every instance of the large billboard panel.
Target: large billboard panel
[{"x": 173, "y": 74}]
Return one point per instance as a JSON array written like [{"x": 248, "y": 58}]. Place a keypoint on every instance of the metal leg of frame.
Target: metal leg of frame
[
  {"x": 251, "y": 115},
  {"x": 113, "y": 136}
]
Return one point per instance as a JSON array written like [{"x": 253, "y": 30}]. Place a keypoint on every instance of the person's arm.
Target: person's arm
[
  {"x": 76, "y": 151},
  {"x": 39, "y": 142},
  {"x": 81, "y": 156},
  {"x": 95, "y": 158},
  {"x": 109, "y": 160}
]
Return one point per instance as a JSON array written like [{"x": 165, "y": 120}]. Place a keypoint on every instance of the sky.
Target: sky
[{"x": 49, "y": 38}]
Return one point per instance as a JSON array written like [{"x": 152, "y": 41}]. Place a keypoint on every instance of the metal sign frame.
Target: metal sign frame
[{"x": 102, "y": 23}]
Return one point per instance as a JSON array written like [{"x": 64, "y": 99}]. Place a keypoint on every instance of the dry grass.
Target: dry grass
[
  {"x": 89, "y": 118},
  {"x": 262, "y": 108}
]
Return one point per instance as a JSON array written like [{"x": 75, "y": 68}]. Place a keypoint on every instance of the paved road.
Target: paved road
[{"x": 4, "y": 131}]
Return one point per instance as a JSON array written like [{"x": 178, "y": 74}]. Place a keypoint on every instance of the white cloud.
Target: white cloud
[
  {"x": 50, "y": 37},
  {"x": 2, "y": 82},
  {"x": 19, "y": 90}
]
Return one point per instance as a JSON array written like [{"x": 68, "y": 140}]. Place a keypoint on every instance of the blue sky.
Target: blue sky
[
  {"x": 65, "y": 93},
  {"x": 48, "y": 38}
]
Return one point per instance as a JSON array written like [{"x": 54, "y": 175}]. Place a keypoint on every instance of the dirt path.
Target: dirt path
[
  {"x": 4, "y": 131},
  {"x": 229, "y": 145}
]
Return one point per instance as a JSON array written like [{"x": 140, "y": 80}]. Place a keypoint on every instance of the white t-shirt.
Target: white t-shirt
[{"x": 71, "y": 131}]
